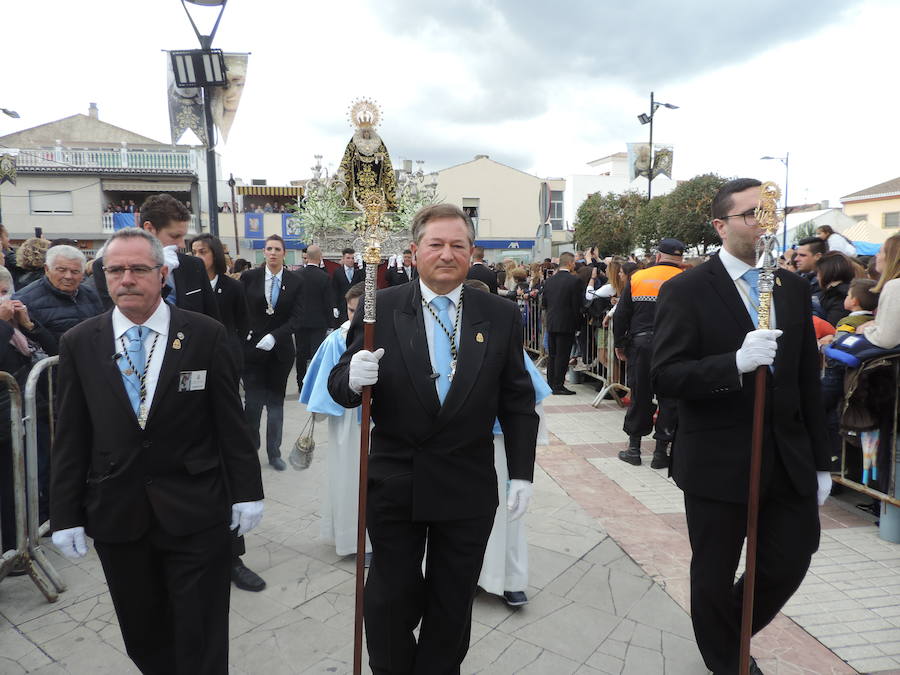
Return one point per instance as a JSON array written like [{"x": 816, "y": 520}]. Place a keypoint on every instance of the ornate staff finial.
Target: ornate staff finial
[{"x": 768, "y": 217}]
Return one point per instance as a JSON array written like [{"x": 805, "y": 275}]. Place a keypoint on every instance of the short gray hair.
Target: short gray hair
[
  {"x": 425, "y": 215},
  {"x": 138, "y": 233},
  {"x": 64, "y": 251}
]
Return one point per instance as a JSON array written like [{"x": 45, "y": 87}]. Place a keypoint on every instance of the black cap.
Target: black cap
[{"x": 671, "y": 246}]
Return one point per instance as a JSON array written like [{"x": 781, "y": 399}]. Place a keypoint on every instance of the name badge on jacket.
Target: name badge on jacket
[{"x": 192, "y": 380}]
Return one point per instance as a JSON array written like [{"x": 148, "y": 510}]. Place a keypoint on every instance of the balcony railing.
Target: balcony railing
[
  {"x": 109, "y": 225},
  {"x": 61, "y": 159}
]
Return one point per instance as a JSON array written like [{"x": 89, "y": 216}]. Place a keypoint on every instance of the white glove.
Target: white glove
[
  {"x": 170, "y": 255},
  {"x": 518, "y": 494},
  {"x": 70, "y": 542},
  {"x": 364, "y": 369},
  {"x": 758, "y": 350},
  {"x": 266, "y": 343},
  {"x": 336, "y": 312},
  {"x": 824, "y": 478},
  {"x": 245, "y": 516}
]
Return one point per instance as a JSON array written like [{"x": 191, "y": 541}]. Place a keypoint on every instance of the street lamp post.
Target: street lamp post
[
  {"x": 787, "y": 170},
  {"x": 648, "y": 119},
  {"x": 206, "y": 44}
]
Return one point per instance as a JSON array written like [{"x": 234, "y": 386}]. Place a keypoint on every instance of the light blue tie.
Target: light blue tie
[
  {"x": 276, "y": 290},
  {"x": 349, "y": 271},
  {"x": 751, "y": 276},
  {"x": 135, "y": 349},
  {"x": 442, "y": 355}
]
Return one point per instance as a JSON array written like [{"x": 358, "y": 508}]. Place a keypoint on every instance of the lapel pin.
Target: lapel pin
[
  {"x": 479, "y": 337},
  {"x": 778, "y": 281},
  {"x": 176, "y": 344},
  {"x": 179, "y": 335}
]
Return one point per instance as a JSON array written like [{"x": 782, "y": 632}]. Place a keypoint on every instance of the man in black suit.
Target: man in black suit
[
  {"x": 153, "y": 460},
  {"x": 345, "y": 276},
  {"x": 317, "y": 303},
  {"x": 274, "y": 303},
  {"x": 403, "y": 274},
  {"x": 562, "y": 297},
  {"x": 186, "y": 285},
  {"x": 482, "y": 272},
  {"x": 706, "y": 353},
  {"x": 431, "y": 471}
]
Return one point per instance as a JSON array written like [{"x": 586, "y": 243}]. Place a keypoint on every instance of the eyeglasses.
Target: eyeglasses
[
  {"x": 117, "y": 271},
  {"x": 748, "y": 216}
]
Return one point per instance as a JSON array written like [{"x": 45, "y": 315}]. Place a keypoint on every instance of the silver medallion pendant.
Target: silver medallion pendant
[
  {"x": 270, "y": 311},
  {"x": 142, "y": 416},
  {"x": 452, "y": 370}
]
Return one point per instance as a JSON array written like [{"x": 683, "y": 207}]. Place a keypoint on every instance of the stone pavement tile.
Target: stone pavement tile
[
  {"x": 681, "y": 656},
  {"x": 542, "y": 604},
  {"x": 547, "y": 662},
  {"x": 545, "y": 565},
  {"x": 658, "y": 610},
  {"x": 286, "y": 644},
  {"x": 574, "y": 630},
  {"x": 561, "y": 533},
  {"x": 19, "y": 654},
  {"x": 877, "y": 664},
  {"x": 295, "y": 581},
  {"x": 783, "y": 646},
  {"x": 606, "y": 663},
  {"x": 640, "y": 660}
]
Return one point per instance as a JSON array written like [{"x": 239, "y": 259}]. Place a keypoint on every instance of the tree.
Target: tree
[
  {"x": 608, "y": 221},
  {"x": 686, "y": 212},
  {"x": 647, "y": 234}
]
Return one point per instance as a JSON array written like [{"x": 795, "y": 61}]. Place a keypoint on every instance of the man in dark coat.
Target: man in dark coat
[
  {"x": 58, "y": 300},
  {"x": 186, "y": 285},
  {"x": 562, "y": 297},
  {"x": 317, "y": 304},
  {"x": 482, "y": 272},
  {"x": 404, "y": 273},
  {"x": 706, "y": 354},
  {"x": 451, "y": 363},
  {"x": 345, "y": 276},
  {"x": 152, "y": 459}
]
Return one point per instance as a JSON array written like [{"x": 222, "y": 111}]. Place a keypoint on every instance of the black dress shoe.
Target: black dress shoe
[
  {"x": 633, "y": 458},
  {"x": 277, "y": 463},
  {"x": 246, "y": 579},
  {"x": 515, "y": 598},
  {"x": 660, "y": 460},
  {"x": 562, "y": 391}
]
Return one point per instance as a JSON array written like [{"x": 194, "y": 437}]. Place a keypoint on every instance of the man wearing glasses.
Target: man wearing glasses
[
  {"x": 153, "y": 460},
  {"x": 706, "y": 354}
]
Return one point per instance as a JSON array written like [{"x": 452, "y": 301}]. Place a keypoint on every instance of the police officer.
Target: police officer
[{"x": 633, "y": 333}]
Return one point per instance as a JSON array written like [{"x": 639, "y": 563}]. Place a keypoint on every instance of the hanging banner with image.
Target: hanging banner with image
[
  {"x": 185, "y": 108},
  {"x": 7, "y": 168},
  {"x": 225, "y": 100},
  {"x": 639, "y": 160}
]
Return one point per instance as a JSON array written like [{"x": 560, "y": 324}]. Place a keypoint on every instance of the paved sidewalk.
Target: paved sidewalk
[{"x": 608, "y": 558}]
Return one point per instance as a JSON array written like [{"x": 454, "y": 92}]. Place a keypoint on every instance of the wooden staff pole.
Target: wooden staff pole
[
  {"x": 759, "y": 412},
  {"x": 368, "y": 344},
  {"x": 767, "y": 218}
]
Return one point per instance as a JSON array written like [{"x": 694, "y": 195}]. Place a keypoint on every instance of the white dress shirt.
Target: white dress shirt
[
  {"x": 269, "y": 278},
  {"x": 735, "y": 269},
  {"x": 428, "y": 295},
  {"x": 158, "y": 323},
  {"x": 214, "y": 281}
]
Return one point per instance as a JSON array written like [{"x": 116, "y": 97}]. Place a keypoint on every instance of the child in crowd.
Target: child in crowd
[{"x": 861, "y": 303}]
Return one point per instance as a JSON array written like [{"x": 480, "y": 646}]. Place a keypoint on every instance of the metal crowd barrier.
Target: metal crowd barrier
[
  {"x": 890, "y": 496},
  {"x": 36, "y": 529},
  {"x": 600, "y": 362},
  {"x": 26, "y": 555}
]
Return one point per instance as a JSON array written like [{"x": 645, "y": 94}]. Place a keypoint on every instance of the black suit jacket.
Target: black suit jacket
[
  {"x": 282, "y": 324},
  {"x": 563, "y": 297},
  {"x": 316, "y": 297},
  {"x": 447, "y": 448},
  {"x": 231, "y": 301},
  {"x": 484, "y": 273},
  {"x": 194, "y": 459},
  {"x": 700, "y": 323},
  {"x": 340, "y": 286},
  {"x": 397, "y": 275},
  {"x": 191, "y": 286}
]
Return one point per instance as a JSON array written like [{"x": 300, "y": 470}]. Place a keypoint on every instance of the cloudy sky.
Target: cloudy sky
[{"x": 545, "y": 87}]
